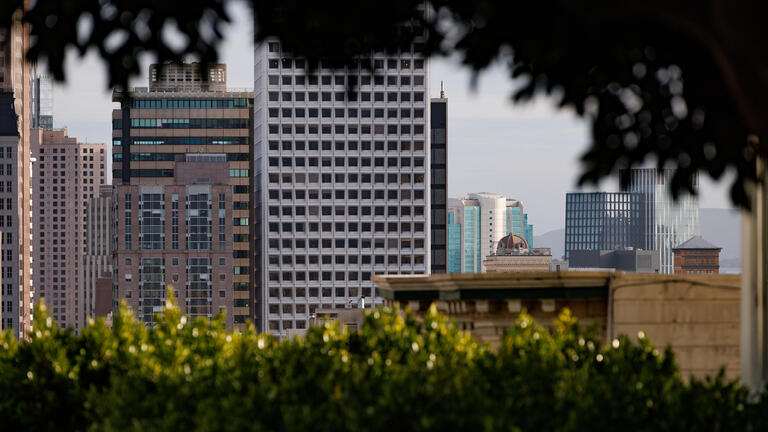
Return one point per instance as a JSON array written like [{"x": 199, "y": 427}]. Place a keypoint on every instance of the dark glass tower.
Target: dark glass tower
[
  {"x": 439, "y": 180},
  {"x": 604, "y": 221}
]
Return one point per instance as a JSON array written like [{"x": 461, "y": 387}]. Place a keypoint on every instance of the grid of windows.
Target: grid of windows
[
  {"x": 604, "y": 221},
  {"x": 151, "y": 288},
  {"x": 343, "y": 181},
  {"x": 198, "y": 287},
  {"x": 199, "y": 221},
  {"x": 152, "y": 221}
]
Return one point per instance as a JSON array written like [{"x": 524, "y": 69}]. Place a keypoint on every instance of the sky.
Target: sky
[{"x": 527, "y": 152}]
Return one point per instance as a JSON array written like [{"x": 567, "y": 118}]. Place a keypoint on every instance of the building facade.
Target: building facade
[
  {"x": 697, "y": 256},
  {"x": 180, "y": 235},
  {"x": 156, "y": 127},
  {"x": 41, "y": 100},
  {"x": 635, "y": 260},
  {"x": 475, "y": 226},
  {"x": 16, "y": 290},
  {"x": 97, "y": 262},
  {"x": 514, "y": 255},
  {"x": 668, "y": 223},
  {"x": 342, "y": 180},
  {"x": 67, "y": 175},
  {"x": 604, "y": 221},
  {"x": 438, "y": 118}
]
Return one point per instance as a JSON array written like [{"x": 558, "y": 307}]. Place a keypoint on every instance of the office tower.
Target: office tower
[
  {"x": 67, "y": 174},
  {"x": 178, "y": 233},
  {"x": 438, "y": 119},
  {"x": 475, "y": 226},
  {"x": 604, "y": 221},
  {"x": 668, "y": 222},
  {"x": 96, "y": 270},
  {"x": 41, "y": 100},
  {"x": 16, "y": 290},
  {"x": 528, "y": 233},
  {"x": 342, "y": 180},
  {"x": 160, "y": 126}
]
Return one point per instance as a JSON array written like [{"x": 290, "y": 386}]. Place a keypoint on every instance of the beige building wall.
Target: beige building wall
[
  {"x": 97, "y": 261},
  {"x": 67, "y": 175},
  {"x": 698, "y": 316}
]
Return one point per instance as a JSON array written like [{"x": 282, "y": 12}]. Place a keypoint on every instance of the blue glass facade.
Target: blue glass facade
[
  {"x": 473, "y": 259},
  {"x": 604, "y": 221},
  {"x": 528, "y": 235},
  {"x": 454, "y": 244}
]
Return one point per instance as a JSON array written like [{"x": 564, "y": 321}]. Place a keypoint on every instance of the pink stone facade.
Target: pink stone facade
[{"x": 67, "y": 175}]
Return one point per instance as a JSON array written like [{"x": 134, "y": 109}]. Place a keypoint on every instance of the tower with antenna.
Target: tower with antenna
[{"x": 438, "y": 178}]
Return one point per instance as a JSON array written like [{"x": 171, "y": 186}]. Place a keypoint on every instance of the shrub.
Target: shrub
[{"x": 396, "y": 373}]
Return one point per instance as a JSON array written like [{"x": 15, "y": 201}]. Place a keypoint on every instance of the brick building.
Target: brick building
[
  {"x": 178, "y": 234},
  {"x": 697, "y": 256}
]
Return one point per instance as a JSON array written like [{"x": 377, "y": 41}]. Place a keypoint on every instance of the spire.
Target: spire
[{"x": 442, "y": 90}]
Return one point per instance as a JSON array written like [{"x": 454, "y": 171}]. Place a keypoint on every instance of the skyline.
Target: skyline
[{"x": 542, "y": 144}]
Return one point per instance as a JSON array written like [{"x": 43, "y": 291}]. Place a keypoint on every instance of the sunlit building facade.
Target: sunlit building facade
[{"x": 668, "y": 223}]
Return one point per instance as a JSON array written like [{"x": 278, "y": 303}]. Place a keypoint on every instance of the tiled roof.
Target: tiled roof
[{"x": 697, "y": 242}]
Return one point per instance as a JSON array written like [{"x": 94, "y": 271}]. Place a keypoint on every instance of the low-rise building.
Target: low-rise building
[
  {"x": 698, "y": 316},
  {"x": 513, "y": 255},
  {"x": 630, "y": 260},
  {"x": 697, "y": 256}
]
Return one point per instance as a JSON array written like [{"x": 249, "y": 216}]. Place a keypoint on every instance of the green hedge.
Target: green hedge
[{"x": 396, "y": 373}]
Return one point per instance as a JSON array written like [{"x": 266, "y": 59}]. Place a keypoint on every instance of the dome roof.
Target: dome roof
[{"x": 511, "y": 242}]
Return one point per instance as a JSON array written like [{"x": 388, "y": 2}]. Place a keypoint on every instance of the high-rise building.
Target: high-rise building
[
  {"x": 668, "y": 222},
  {"x": 342, "y": 180},
  {"x": 438, "y": 119},
  {"x": 181, "y": 116},
  {"x": 178, "y": 234},
  {"x": 96, "y": 270},
  {"x": 16, "y": 293},
  {"x": 604, "y": 221},
  {"x": 67, "y": 174},
  {"x": 41, "y": 100},
  {"x": 475, "y": 226}
]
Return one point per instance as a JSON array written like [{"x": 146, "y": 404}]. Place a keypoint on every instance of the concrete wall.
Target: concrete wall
[{"x": 697, "y": 315}]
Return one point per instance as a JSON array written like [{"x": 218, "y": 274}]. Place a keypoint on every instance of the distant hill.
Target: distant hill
[
  {"x": 554, "y": 240},
  {"x": 721, "y": 227}
]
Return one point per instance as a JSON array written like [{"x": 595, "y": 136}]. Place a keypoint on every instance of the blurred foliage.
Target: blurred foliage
[
  {"x": 396, "y": 373},
  {"x": 680, "y": 82}
]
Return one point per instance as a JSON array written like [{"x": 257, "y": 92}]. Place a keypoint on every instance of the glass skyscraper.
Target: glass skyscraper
[
  {"x": 668, "y": 222},
  {"x": 604, "y": 221},
  {"x": 476, "y": 224}
]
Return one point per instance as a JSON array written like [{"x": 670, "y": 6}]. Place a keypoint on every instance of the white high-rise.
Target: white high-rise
[
  {"x": 341, "y": 181},
  {"x": 475, "y": 226},
  {"x": 668, "y": 222}
]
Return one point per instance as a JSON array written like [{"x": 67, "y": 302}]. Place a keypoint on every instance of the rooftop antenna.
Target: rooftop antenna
[{"x": 442, "y": 90}]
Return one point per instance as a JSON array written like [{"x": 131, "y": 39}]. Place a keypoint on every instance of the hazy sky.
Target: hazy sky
[{"x": 527, "y": 152}]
